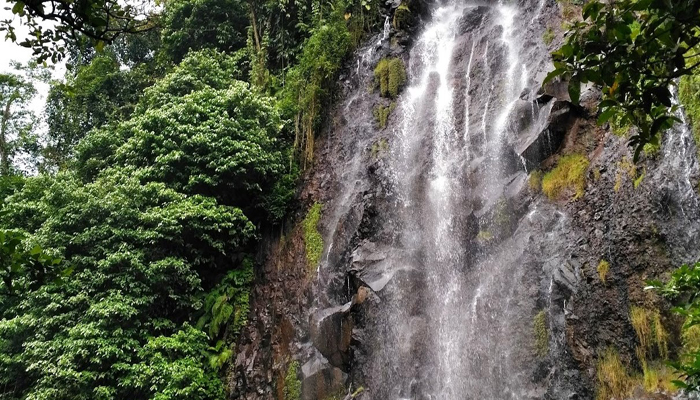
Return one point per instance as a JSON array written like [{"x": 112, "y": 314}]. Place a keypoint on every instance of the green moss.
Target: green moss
[
  {"x": 614, "y": 382},
  {"x": 292, "y": 384},
  {"x": 689, "y": 95},
  {"x": 541, "y": 334},
  {"x": 548, "y": 36},
  {"x": 603, "y": 269},
  {"x": 535, "y": 181},
  {"x": 568, "y": 175},
  {"x": 390, "y": 76},
  {"x": 402, "y": 16},
  {"x": 313, "y": 240},
  {"x": 382, "y": 113},
  {"x": 379, "y": 147}
]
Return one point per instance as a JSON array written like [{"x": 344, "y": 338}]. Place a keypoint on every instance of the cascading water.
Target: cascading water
[{"x": 459, "y": 263}]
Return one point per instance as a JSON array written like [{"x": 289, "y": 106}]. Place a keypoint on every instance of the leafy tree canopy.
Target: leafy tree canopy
[
  {"x": 102, "y": 21},
  {"x": 634, "y": 50}
]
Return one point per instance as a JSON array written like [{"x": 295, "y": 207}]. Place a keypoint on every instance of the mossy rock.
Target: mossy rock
[
  {"x": 390, "y": 76},
  {"x": 568, "y": 175}
]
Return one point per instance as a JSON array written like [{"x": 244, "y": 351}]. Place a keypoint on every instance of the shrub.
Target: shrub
[
  {"x": 390, "y": 76},
  {"x": 688, "y": 89},
  {"x": 569, "y": 174}
]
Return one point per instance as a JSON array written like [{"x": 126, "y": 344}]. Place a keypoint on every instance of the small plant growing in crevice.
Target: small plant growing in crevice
[
  {"x": 382, "y": 113},
  {"x": 603, "y": 269},
  {"x": 292, "y": 384},
  {"x": 568, "y": 175},
  {"x": 313, "y": 241},
  {"x": 653, "y": 337},
  {"x": 390, "y": 76},
  {"x": 379, "y": 147},
  {"x": 541, "y": 334}
]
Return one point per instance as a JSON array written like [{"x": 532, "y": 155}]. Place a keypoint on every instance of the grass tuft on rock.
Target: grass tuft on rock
[
  {"x": 390, "y": 76},
  {"x": 568, "y": 176},
  {"x": 653, "y": 337},
  {"x": 313, "y": 240},
  {"x": 614, "y": 382},
  {"x": 603, "y": 269}
]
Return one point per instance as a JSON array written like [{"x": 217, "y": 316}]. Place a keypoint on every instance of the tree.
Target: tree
[
  {"x": 93, "y": 95},
  {"x": 634, "y": 50},
  {"x": 17, "y": 121},
  {"x": 102, "y": 21}
]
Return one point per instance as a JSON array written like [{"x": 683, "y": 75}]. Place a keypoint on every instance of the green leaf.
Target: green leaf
[
  {"x": 575, "y": 90},
  {"x": 18, "y": 8},
  {"x": 606, "y": 115}
]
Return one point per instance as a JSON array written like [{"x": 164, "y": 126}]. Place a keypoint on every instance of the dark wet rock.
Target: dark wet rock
[
  {"x": 320, "y": 379},
  {"x": 331, "y": 332},
  {"x": 540, "y": 143}
]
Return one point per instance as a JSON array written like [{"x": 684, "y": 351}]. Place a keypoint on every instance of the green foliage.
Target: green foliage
[
  {"x": 25, "y": 266},
  {"x": 17, "y": 122},
  {"x": 70, "y": 22},
  {"x": 390, "y": 76},
  {"x": 541, "y": 333},
  {"x": 312, "y": 238},
  {"x": 227, "y": 304},
  {"x": 381, "y": 114},
  {"x": 568, "y": 175},
  {"x": 93, "y": 95},
  {"x": 310, "y": 83},
  {"x": 634, "y": 50},
  {"x": 203, "y": 24},
  {"x": 689, "y": 94},
  {"x": 684, "y": 289},
  {"x": 614, "y": 382},
  {"x": 292, "y": 384}
]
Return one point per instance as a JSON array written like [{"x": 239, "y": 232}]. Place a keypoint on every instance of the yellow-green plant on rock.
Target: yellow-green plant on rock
[
  {"x": 541, "y": 333},
  {"x": 390, "y": 76},
  {"x": 603, "y": 269},
  {"x": 568, "y": 175},
  {"x": 313, "y": 240}
]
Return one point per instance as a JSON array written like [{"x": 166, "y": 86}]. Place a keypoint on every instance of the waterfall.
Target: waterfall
[{"x": 434, "y": 217}]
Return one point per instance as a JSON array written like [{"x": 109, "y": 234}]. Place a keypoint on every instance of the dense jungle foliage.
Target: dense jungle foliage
[{"x": 173, "y": 141}]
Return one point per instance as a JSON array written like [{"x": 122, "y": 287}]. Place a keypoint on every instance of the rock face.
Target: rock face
[{"x": 445, "y": 273}]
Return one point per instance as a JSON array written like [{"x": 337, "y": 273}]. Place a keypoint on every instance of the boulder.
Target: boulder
[
  {"x": 331, "y": 333},
  {"x": 320, "y": 379}
]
